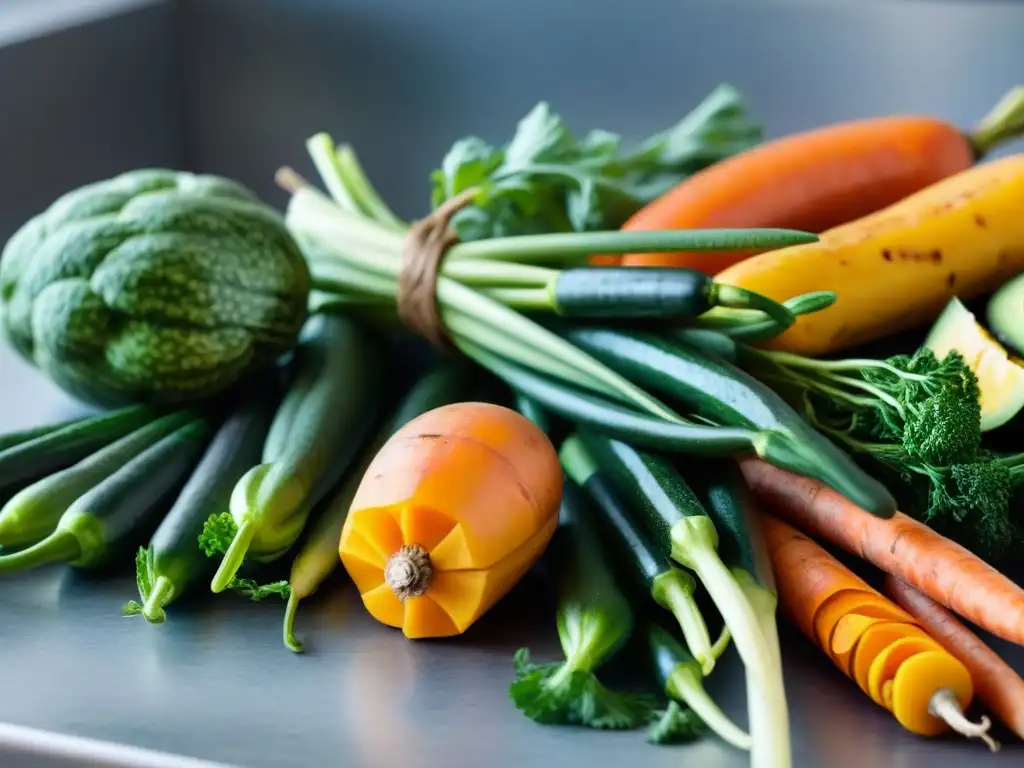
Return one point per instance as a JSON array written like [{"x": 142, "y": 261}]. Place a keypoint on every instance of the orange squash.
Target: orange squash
[{"x": 450, "y": 514}]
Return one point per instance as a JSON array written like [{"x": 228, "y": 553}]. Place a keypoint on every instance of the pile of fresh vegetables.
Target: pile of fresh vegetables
[{"x": 645, "y": 383}]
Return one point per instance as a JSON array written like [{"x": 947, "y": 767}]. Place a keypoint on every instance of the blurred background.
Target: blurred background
[
  {"x": 92, "y": 87},
  {"x": 89, "y": 88}
]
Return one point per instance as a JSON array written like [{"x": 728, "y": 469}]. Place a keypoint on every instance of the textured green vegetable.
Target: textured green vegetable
[
  {"x": 31, "y": 459},
  {"x": 32, "y": 514},
  {"x": 172, "y": 563},
  {"x": 152, "y": 286},
  {"x": 594, "y": 621},
  {"x": 114, "y": 513},
  {"x": 329, "y": 408}
]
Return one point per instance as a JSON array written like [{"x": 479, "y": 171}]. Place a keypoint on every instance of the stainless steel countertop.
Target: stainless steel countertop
[{"x": 216, "y": 683}]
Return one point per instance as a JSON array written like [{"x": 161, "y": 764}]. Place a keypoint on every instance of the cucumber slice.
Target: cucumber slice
[
  {"x": 1000, "y": 376},
  {"x": 1006, "y": 314}
]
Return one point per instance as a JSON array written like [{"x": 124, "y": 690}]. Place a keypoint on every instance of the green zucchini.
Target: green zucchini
[
  {"x": 112, "y": 515},
  {"x": 63, "y": 447},
  {"x": 172, "y": 563},
  {"x": 724, "y": 394},
  {"x": 723, "y": 492},
  {"x": 681, "y": 527},
  {"x": 582, "y": 407},
  {"x": 679, "y": 675},
  {"x": 623, "y": 292},
  {"x": 645, "y": 565},
  {"x": 448, "y": 382},
  {"x": 594, "y": 621},
  {"x": 11, "y": 439},
  {"x": 33, "y": 513},
  {"x": 329, "y": 409}
]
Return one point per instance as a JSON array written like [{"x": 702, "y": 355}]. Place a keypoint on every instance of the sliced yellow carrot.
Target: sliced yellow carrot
[
  {"x": 875, "y": 640},
  {"x": 886, "y": 663},
  {"x": 916, "y": 683}
]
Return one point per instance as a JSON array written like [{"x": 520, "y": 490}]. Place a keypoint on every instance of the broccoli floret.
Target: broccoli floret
[{"x": 944, "y": 428}]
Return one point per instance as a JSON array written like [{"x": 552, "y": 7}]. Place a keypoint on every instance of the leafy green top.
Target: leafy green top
[
  {"x": 918, "y": 417},
  {"x": 548, "y": 180}
]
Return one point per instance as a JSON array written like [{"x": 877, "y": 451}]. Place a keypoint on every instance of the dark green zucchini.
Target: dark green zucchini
[
  {"x": 172, "y": 563},
  {"x": 623, "y": 292},
  {"x": 329, "y": 409},
  {"x": 63, "y": 447},
  {"x": 582, "y": 407},
  {"x": 724, "y": 494},
  {"x": 11, "y": 439},
  {"x": 646, "y": 566},
  {"x": 112, "y": 515},
  {"x": 679, "y": 675},
  {"x": 724, "y": 394},
  {"x": 33, "y": 513},
  {"x": 680, "y": 526}
]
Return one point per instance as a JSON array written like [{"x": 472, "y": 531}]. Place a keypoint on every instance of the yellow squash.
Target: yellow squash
[{"x": 897, "y": 268}]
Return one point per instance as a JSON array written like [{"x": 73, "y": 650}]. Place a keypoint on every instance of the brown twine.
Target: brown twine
[{"x": 422, "y": 252}]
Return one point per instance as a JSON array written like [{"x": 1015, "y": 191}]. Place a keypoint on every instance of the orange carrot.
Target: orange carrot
[
  {"x": 806, "y": 576},
  {"x": 452, "y": 511},
  {"x": 819, "y": 179},
  {"x": 925, "y": 687},
  {"x": 996, "y": 683},
  {"x": 899, "y": 545}
]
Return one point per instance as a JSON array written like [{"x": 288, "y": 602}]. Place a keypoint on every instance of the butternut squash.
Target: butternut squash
[
  {"x": 450, "y": 514},
  {"x": 897, "y": 268}
]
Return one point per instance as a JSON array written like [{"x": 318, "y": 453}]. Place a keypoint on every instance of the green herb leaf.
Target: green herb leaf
[
  {"x": 256, "y": 591},
  {"x": 131, "y": 608},
  {"x": 548, "y": 180},
  {"x": 218, "y": 533},
  {"x": 675, "y": 725}
]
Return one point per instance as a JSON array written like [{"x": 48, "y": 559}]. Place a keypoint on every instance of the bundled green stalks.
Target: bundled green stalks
[{"x": 355, "y": 248}]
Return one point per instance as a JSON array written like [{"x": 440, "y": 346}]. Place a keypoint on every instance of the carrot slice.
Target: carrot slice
[
  {"x": 916, "y": 682},
  {"x": 875, "y": 640},
  {"x": 887, "y": 663},
  {"x": 847, "y": 633},
  {"x": 996, "y": 683},
  {"x": 870, "y": 604}
]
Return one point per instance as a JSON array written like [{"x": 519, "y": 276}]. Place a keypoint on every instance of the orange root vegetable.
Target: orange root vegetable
[
  {"x": 864, "y": 604},
  {"x": 884, "y": 666},
  {"x": 873, "y": 641},
  {"x": 924, "y": 686},
  {"x": 450, "y": 514},
  {"x": 996, "y": 683},
  {"x": 901, "y": 546},
  {"x": 821, "y": 178}
]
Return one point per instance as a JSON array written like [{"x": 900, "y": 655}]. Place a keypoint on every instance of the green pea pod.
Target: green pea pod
[
  {"x": 32, "y": 514},
  {"x": 112, "y": 514},
  {"x": 34, "y": 458},
  {"x": 329, "y": 408}
]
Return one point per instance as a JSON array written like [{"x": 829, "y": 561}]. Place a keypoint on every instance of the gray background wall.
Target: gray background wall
[{"x": 235, "y": 86}]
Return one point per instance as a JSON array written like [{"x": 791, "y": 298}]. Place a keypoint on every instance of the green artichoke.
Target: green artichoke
[{"x": 153, "y": 286}]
